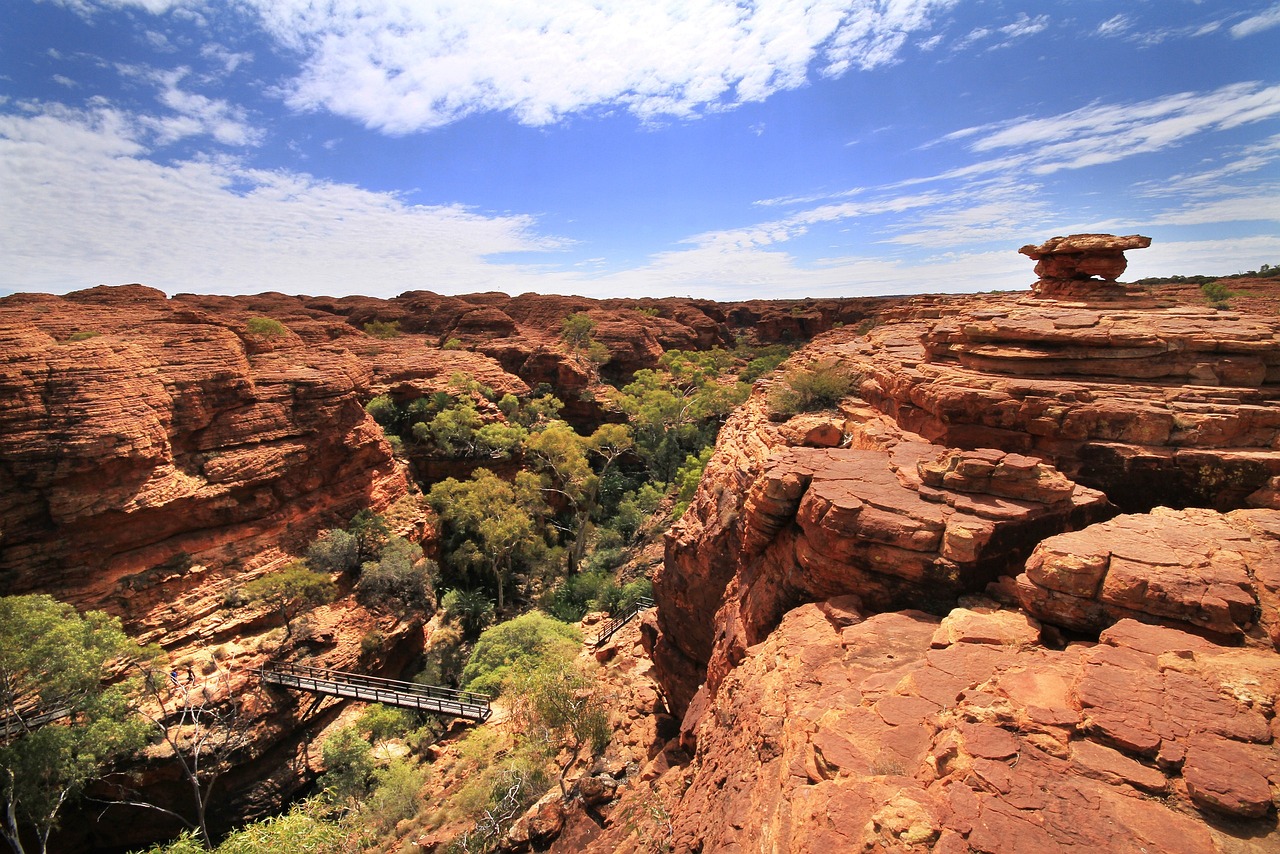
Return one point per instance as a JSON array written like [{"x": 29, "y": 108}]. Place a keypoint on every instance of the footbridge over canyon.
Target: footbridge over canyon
[{"x": 467, "y": 705}]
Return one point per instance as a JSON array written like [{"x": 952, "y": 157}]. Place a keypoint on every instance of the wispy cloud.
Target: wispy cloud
[
  {"x": 1003, "y": 36},
  {"x": 191, "y": 113},
  {"x": 1256, "y": 24},
  {"x": 407, "y": 67},
  {"x": 1105, "y": 133}
]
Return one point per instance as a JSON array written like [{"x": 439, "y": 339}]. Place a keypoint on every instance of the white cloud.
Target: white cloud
[
  {"x": 229, "y": 60},
  {"x": 1116, "y": 25},
  {"x": 1006, "y": 35},
  {"x": 407, "y": 66},
  {"x": 84, "y": 206},
  {"x": 198, "y": 115},
  {"x": 1256, "y": 24},
  {"x": 1105, "y": 133}
]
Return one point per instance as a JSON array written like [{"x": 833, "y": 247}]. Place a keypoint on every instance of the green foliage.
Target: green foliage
[
  {"x": 1217, "y": 294},
  {"x": 371, "y": 533},
  {"x": 809, "y": 389},
  {"x": 400, "y": 579},
  {"x": 292, "y": 590},
  {"x": 648, "y": 312},
  {"x": 452, "y": 344},
  {"x": 348, "y": 762},
  {"x": 562, "y": 710},
  {"x": 470, "y": 609},
  {"x": 576, "y": 330},
  {"x": 384, "y": 410},
  {"x": 337, "y": 551},
  {"x": 83, "y": 335},
  {"x": 677, "y": 410},
  {"x": 264, "y": 327},
  {"x": 382, "y": 329},
  {"x": 383, "y": 723},
  {"x": 307, "y": 827},
  {"x": 688, "y": 477},
  {"x": 396, "y": 795},
  {"x": 490, "y": 525},
  {"x": 518, "y": 645},
  {"x": 51, "y": 657},
  {"x": 578, "y": 594}
]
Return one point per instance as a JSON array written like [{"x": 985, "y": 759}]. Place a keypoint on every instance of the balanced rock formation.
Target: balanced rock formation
[{"x": 1067, "y": 266}]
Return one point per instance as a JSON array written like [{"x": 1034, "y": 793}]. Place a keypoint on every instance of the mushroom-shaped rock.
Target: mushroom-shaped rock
[{"x": 1083, "y": 256}]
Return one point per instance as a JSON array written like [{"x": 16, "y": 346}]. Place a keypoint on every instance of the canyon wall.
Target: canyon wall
[{"x": 1020, "y": 590}]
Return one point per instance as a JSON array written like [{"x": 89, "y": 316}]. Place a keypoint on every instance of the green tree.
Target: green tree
[
  {"x": 384, "y": 723},
  {"x": 401, "y": 577},
  {"x": 371, "y": 533},
  {"x": 576, "y": 331},
  {"x": 291, "y": 590},
  {"x": 53, "y": 661},
  {"x": 348, "y": 762},
  {"x": 396, "y": 795},
  {"x": 519, "y": 644},
  {"x": 563, "y": 710},
  {"x": 335, "y": 552},
  {"x": 491, "y": 524}
]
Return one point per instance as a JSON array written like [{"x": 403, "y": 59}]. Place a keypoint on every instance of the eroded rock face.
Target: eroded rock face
[
  {"x": 1209, "y": 572},
  {"x": 161, "y": 436},
  {"x": 1071, "y": 266},
  {"x": 1152, "y": 405},
  {"x": 901, "y": 732}
]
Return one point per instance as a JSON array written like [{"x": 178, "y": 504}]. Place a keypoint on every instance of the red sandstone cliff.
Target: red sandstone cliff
[{"x": 986, "y": 437}]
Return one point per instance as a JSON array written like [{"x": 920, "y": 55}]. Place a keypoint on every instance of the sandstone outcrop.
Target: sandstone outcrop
[
  {"x": 981, "y": 433},
  {"x": 1067, "y": 266},
  {"x": 1213, "y": 573},
  {"x": 903, "y": 732},
  {"x": 141, "y": 435}
]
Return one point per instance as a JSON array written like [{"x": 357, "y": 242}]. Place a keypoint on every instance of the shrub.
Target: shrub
[
  {"x": 264, "y": 327},
  {"x": 688, "y": 476},
  {"x": 470, "y": 609},
  {"x": 1217, "y": 294},
  {"x": 348, "y": 762},
  {"x": 83, "y": 335},
  {"x": 518, "y": 645},
  {"x": 382, "y": 329},
  {"x": 384, "y": 410},
  {"x": 578, "y": 594},
  {"x": 396, "y": 794},
  {"x": 336, "y": 551},
  {"x": 452, "y": 344},
  {"x": 648, "y": 312},
  {"x": 400, "y": 578},
  {"x": 809, "y": 390}
]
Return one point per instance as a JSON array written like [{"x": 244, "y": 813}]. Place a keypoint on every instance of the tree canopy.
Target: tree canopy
[{"x": 55, "y": 661}]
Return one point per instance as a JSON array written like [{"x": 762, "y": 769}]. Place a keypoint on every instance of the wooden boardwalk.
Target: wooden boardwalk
[
  {"x": 644, "y": 603},
  {"x": 373, "y": 689}
]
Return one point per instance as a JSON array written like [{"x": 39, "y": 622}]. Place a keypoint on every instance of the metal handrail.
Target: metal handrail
[
  {"x": 644, "y": 603},
  {"x": 376, "y": 689}
]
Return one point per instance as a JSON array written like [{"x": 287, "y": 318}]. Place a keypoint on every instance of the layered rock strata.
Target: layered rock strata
[
  {"x": 141, "y": 437},
  {"x": 903, "y": 732},
  {"x": 1216, "y": 574}
]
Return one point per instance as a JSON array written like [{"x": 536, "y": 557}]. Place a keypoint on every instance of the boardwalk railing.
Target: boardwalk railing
[
  {"x": 373, "y": 689},
  {"x": 11, "y": 727},
  {"x": 644, "y": 603}
]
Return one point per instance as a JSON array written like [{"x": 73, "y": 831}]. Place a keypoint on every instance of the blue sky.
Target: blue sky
[{"x": 764, "y": 148}]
